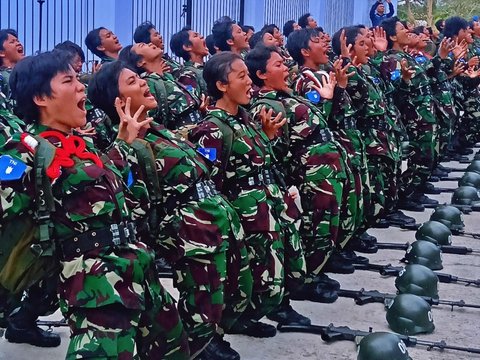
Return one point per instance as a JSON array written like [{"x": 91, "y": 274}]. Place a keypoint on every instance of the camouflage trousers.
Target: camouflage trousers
[
  {"x": 352, "y": 211},
  {"x": 115, "y": 332},
  {"x": 295, "y": 264},
  {"x": 468, "y": 128},
  {"x": 266, "y": 257},
  {"x": 383, "y": 187},
  {"x": 200, "y": 282},
  {"x": 422, "y": 142},
  {"x": 446, "y": 116}
]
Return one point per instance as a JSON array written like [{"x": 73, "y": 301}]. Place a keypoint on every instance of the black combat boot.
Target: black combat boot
[
  {"x": 218, "y": 349},
  {"x": 22, "y": 328},
  {"x": 286, "y": 315}
]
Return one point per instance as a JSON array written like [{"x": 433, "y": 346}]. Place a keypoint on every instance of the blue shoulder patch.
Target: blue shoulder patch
[
  {"x": 395, "y": 75},
  {"x": 313, "y": 96},
  {"x": 189, "y": 88},
  {"x": 208, "y": 153},
  {"x": 420, "y": 59},
  {"x": 11, "y": 169},
  {"x": 130, "y": 179}
]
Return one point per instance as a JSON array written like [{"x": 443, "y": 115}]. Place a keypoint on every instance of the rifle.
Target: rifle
[
  {"x": 465, "y": 233},
  {"x": 52, "y": 323},
  {"x": 447, "y": 249},
  {"x": 389, "y": 270},
  {"x": 332, "y": 333},
  {"x": 453, "y": 178},
  {"x": 362, "y": 297}
]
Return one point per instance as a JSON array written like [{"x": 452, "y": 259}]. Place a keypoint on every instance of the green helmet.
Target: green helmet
[
  {"x": 449, "y": 216},
  {"x": 435, "y": 232},
  {"x": 477, "y": 156},
  {"x": 474, "y": 166},
  {"x": 418, "y": 280},
  {"x": 409, "y": 314},
  {"x": 381, "y": 346},
  {"x": 465, "y": 195},
  {"x": 470, "y": 179},
  {"x": 424, "y": 253}
]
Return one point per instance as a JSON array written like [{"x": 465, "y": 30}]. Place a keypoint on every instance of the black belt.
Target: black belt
[
  {"x": 262, "y": 178},
  {"x": 198, "y": 191},
  {"x": 190, "y": 118},
  {"x": 114, "y": 235},
  {"x": 423, "y": 91},
  {"x": 376, "y": 122}
]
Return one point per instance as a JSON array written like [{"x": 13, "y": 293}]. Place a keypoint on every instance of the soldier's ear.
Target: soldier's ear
[
  {"x": 393, "y": 38},
  {"x": 121, "y": 101},
  {"x": 305, "y": 52},
  {"x": 2, "y": 53},
  {"x": 230, "y": 42},
  {"x": 221, "y": 86},
  {"x": 187, "y": 48},
  {"x": 141, "y": 63},
  {"x": 261, "y": 75},
  {"x": 40, "y": 101},
  {"x": 100, "y": 48}
]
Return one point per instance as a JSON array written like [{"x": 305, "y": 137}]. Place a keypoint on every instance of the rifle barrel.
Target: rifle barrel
[
  {"x": 443, "y": 345},
  {"x": 391, "y": 246}
]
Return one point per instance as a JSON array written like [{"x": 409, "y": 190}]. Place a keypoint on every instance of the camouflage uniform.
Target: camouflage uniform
[
  {"x": 343, "y": 125},
  {"x": 193, "y": 229},
  {"x": 175, "y": 66},
  {"x": 416, "y": 105},
  {"x": 108, "y": 288},
  {"x": 312, "y": 161},
  {"x": 243, "y": 173},
  {"x": 369, "y": 104},
  {"x": 191, "y": 76},
  {"x": 178, "y": 108}
]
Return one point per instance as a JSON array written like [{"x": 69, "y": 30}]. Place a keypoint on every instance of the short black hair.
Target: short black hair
[
  {"x": 390, "y": 27},
  {"x": 247, "y": 28},
  {"x": 270, "y": 28},
  {"x": 454, "y": 25},
  {"x": 210, "y": 42},
  {"x": 177, "y": 42},
  {"x": 299, "y": 40},
  {"x": 93, "y": 40},
  {"x": 217, "y": 69},
  {"x": 256, "y": 60},
  {"x": 222, "y": 32},
  {"x": 72, "y": 48},
  {"x": 103, "y": 88},
  {"x": 351, "y": 33},
  {"x": 3, "y": 37},
  {"x": 32, "y": 76},
  {"x": 255, "y": 39},
  {"x": 288, "y": 28},
  {"x": 142, "y": 32},
  {"x": 439, "y": 25},
  {"x": 303, "y": 20},
  {"x": 130, "y": 58}
]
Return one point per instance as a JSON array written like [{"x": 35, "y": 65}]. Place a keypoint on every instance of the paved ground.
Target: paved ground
[{"x": 459, "y": 327}]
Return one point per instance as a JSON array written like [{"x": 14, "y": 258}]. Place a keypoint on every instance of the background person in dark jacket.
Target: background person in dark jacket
[{"x": 377, "y": 12}]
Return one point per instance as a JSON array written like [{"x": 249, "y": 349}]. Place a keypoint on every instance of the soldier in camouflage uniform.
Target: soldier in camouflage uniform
[
  {"x": 108, "y": 288},
  {"x": 11, "y": 52},
  {"x": 103, "y": 43},
  {"x": 189, "y": 223},
  {"x": 191, "y": 46},
  {"x": 243, "y": 172},
  {"x": 313, "y": 69},
  {"x": 370, "y": 111},
  {"x": 414, "y": 99},
  {"x": 178, "y": 106},
  {"x": 229, "y": 36},
  {"x": 311, "y": 159},
  {"x": 146, "y": 33}
]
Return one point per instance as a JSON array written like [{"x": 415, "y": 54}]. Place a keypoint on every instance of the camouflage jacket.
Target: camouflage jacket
[
  {"x": 415, "y": 98},
  {"x": 369, "y": 104},
  {"x": 88, "y": 196},
  {"x": 106, "y": 60},
  {"x": 342, "y": 120},
  {"x": 258, "y": 205},
  {"x": 190, "y": 75},
  {"x": 175, "y": 66},
  {"x": 187, "y": 227},
  {"x": 4, "y": 81},
  {"x": 11, "y": 123},
  {"x": 177, "y": 106}
]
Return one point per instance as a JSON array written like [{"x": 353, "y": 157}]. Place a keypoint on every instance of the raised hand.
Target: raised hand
[
  {"x": 270, "y": 126},
  {"x": 446, "y": 46},
  {"x": 327, "y": 87},
  {"x": 341, "y": 73},
  {"x": 472, "y": 73},
  {"x": 407, "y": 72},
  {"x": 129, "y": 126},
  {"x": 460, "y": 49},
  {"x": 205, "y": 103},
  {"x": 458, "y": 68},
  {"x": 380, "y": 39},
  {"x": 344, "y": 48},
  {"x": 473, "y": 62}
]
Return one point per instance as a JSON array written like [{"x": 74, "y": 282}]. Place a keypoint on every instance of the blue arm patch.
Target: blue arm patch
[
  {"x": 420, "y": 59},
  {"x": 395, "y": 75},
  {"x": 189, "y": 88},
  {"x": 313, "y": 96},
  {"x": 209, "y": 153},
  {"x": 130, "y": 179},
  {"x": 11, "y": 169}
]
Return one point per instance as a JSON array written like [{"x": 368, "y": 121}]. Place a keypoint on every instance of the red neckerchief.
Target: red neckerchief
[{"x": 71, "y": 145}]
